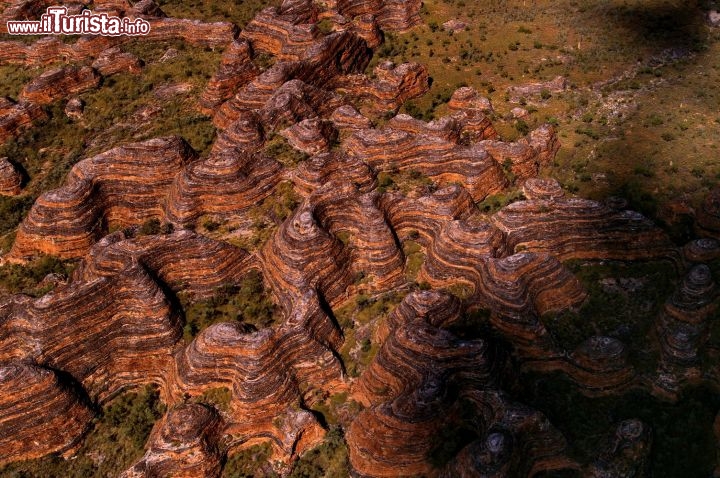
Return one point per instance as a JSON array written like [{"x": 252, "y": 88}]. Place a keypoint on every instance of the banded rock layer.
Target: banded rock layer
[
  {"x": 16, "y": 117},
  {"x": 117, "y": 323},
  {"x": 10, "y": 178},
  {"x": 407, "y": 391},
  {"x": 40, "y": 415},
  {"x": 123, "y": 186},
  {"x": 59, "y": 83}
]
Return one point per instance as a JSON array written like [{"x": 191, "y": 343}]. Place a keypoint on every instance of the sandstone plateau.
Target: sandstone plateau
[{"x": 153, "y": 228}]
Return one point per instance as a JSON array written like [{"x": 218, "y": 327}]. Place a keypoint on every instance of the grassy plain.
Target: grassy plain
[{"x": 642, "y": 109}]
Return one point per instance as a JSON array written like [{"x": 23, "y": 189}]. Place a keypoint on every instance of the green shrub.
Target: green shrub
[
  {"x": 211, "y": 225},
  {"x": 325, "y": 26},
  {"x": 588, "y": 132},
  {"x": 522, "y": 127},
  {"x": 150, "y": 227}
]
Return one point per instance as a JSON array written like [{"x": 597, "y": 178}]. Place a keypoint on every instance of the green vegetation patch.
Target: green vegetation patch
[
  {"x": 116, "y": 441},
  {"x": 278, "y": 148},
  {"x": 330, "y": 458},
  {"x": 27, "y": 278},
  {"x": 358, "y": 320},
  {"x": 249, "y": 303},
  {"x": 405, "y": 181},
  {"x": 218, "y": 398},
  {"x": 14, "y": 79},
  {"x": 252, "y": 462},
  {"x": 495, "y": 202},
  {"x": 414, "y": 259}
]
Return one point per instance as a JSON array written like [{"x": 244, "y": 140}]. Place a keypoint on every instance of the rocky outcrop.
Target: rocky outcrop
[
  {"x": 702, "y": 250},
  {"x": 467, "y": 98},
  {"x": 573, "y": 228},
  {"x": 58, "y": 83},
  {"x": 404, "y": 389},
  {"x": 236, "y": 69},
  {"x": 370, "y": 242},
  {"x": 542, "y": 189},
  {"x": 519, "y": 285},
  {"x": 10, "y": 179},
  {"x": 527, "y": 155},
  {"x": 556, "y": 85},
  {"x": 121, "y": 187},
  {"x": 393, "y": 15},
  {"x": 367, "y": 28},
  {"x": 423, "y": 217},
  {"x": 296, "y": 101},
  {"x": 147, "y": 8},
  {"x": 311, "y": 136},
  {"x": 335, "y": 168},
  {"x": 626, "y": 454},
  {"x": 281, "y": 35},
  {"x": 600, "y": 365},
  {"x": 114, "y": 60},
  {"x": 74, "y": 108},
  {"x": 20, "y": 10},
  {"x": 41, "y": 412},
  {"x": 50, "y": 49},
  {"x": 118, "y": 312},
  {"x": 347, "y": 118},
  {"x": 223, "y": 183},
  {"x": 16, "y": 117},
  {"x": 683, "y": 329},
  {"x": 708, "y": 216},
  {"x": 125, "y": 8},
  {"x": 185, "y": 443},
  {"x": 207, "y": 265},
  {"x": 302, "y": 255},
  {"x": 514, "y": 440},
  {"x": 328, "y": 58},
  {"x": 262, "y": 369},
  {"x": 107, "y": 333},
  {"x": 404, "y": 146},
  {"x": 195, "y": 32},
  {"x": 409, "y": 406},
  {"x": 391, "y": 88}
]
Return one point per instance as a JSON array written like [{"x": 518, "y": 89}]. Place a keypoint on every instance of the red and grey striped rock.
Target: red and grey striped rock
[
  {"x": 17, "y": 117},
  {"x": 124, "y": 186},
  {"x": 184, "y": 443},
  {"x": 41, "y": 413},
  {"x": 59, "y": 83},
  {"x": 311, "y": 136},
  {"x": 10, "y": 179},
  {"x": 114, "y": 60},
  {"x": 236, "y": 70}
]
